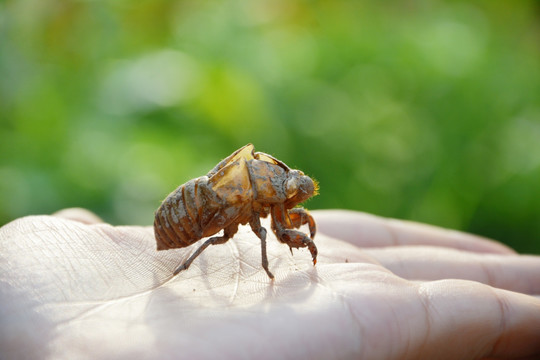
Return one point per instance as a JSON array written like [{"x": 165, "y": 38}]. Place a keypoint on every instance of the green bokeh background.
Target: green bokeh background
[{"x": 421, "y": 110}]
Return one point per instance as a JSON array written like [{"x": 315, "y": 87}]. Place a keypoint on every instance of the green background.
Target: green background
[{"x": 422, "y": 110}]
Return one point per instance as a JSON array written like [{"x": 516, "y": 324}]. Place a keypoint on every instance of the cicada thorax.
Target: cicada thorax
[{"x": 267, "y": 181}]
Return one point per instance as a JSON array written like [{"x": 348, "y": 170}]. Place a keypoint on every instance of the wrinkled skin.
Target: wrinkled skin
[{"x": 73, "y": 287}]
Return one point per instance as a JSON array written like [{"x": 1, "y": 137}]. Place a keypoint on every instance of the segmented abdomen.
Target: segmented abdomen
[{"x": 177, "y": 221}]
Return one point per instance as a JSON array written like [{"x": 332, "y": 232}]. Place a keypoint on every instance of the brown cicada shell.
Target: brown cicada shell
[{"x": 241, "y": 189}]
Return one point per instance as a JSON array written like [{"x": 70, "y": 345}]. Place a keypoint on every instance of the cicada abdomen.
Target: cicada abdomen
[
  {"x": 196, "y": 210},
  {"x": 178, "y": 220}
]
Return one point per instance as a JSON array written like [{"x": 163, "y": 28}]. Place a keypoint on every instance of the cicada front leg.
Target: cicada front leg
[
  {"x": 293, "y": 238},
  {"x": 300, "y": 216}
]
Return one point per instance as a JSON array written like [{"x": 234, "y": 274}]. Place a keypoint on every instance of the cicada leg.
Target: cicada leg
[
  {"x": 293, "y": 238},
  {"x": 255, "y": 224},
  {"x": 300, "y": 216},
  {"x": 215, "y": 240}
]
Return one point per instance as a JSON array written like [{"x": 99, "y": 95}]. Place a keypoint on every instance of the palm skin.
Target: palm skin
[{"x": 73, "y": 287}]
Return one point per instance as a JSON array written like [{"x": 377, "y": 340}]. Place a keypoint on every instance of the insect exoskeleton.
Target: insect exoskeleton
[{"x": 242, "y": 188}]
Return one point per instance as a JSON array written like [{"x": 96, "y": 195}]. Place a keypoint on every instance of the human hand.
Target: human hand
[{"x": 72, "y": 287}]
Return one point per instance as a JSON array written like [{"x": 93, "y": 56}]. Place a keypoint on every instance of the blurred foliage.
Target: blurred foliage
[{"x": 422, "y": 110}]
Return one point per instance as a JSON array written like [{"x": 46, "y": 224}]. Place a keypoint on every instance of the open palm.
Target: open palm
[{"x": 73, "y": 287}]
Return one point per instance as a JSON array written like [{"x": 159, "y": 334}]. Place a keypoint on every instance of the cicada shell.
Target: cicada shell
[{"x": 241, "y": 189}]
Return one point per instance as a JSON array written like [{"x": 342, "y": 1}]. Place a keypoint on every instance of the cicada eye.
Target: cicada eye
[{"x": 291, "y": 186}]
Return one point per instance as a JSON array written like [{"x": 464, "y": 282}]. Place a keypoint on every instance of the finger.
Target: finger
[
  {"x": 79, "y": 214},
  {"x": 495, "y": 322},
  {"x": 516, "y": 273},
  {"x": 368, "y": 230}
]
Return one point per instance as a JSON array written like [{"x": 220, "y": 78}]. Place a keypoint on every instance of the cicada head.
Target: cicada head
[{"x": 299, "y": 187}]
